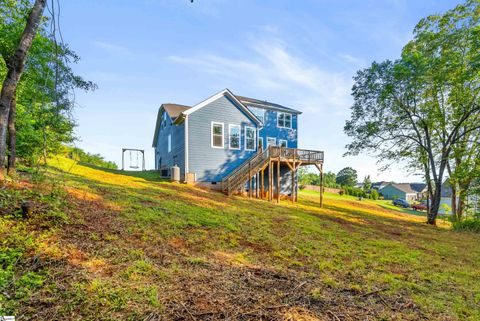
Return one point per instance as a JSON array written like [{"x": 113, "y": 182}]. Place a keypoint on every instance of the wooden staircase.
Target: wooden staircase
[{"x": 293, "y": 157}]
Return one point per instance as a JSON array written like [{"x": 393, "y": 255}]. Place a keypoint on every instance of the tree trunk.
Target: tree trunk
[
  {"x": 454, "y": 201},
  {"x": 12, "y": 138},
  {"x": 15, "y": 65},
  {"x": 435, "y": 203}
]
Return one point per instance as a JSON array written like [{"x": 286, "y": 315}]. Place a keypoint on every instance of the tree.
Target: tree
[
  {"x": 330, "y": 179},
  {"x": 347, "y": 177},
  {"x": 15, "y": 64},
  {"x": 367, "y": 184},
  {"x": 419, "y": 107},
  {"x": 39, "y": 121}
]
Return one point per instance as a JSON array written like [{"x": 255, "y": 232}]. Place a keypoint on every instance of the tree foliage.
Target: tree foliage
[
  {"x": 45, "y": 94},
  {"x": 347, "y": 177},
  {"x": 419, "y": 107}
]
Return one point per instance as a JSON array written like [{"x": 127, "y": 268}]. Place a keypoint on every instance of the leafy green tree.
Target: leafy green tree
[
  {"x": 367, "y": 184},
  {"x": 347, "y": 177},
  {"x": 329, "y": 179},
  {"x": 40, "y": 120},
  {"x": 419, "y": 107},
  {"x": 14, "y": 57}
]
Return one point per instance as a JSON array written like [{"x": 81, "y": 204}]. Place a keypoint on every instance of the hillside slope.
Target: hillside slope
[{"x": 129, "y": 246}]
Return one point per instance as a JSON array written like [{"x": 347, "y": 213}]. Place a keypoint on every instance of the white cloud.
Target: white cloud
[
  {"x": 273, "y": 67},
  {"x": 112, "y": 48},
  {"x": 322, "y": 95}
]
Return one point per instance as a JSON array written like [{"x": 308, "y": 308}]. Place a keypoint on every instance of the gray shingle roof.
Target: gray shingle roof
[
  {"x": 265, "y": 104},
  {"x": 405, "y": 187}
]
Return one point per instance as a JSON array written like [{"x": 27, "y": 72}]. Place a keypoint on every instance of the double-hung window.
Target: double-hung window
[
  {"x": 217, "y": 135},
  {"x": 250, "y": 138},
  {"x": 284, "y": 120},
  {"x": 282, "y": 143},
  {"x": 234, "y": 136}
]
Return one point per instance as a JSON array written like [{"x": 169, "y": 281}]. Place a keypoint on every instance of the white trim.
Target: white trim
[
  {"x": 274, "y": 138},
  {"x": 258, "y": 139},
  {"x": 224, "y": 92},
  {"x": 186, "y": 146},
  {"x": 282, "y": 140},
  {"x": 223, "y": 135},
  {"x": 291, "y": 120},
  {"x": 254, "y": 138},
  {"x": 230, "y": 126}
]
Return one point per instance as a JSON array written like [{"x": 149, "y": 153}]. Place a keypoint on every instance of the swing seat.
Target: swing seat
[{"x": 134, "y": 167}]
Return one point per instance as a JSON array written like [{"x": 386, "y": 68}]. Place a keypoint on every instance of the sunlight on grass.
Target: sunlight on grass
[{"x": 133, "y": 238}]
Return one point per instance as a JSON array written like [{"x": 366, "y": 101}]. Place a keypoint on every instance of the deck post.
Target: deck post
[
  {"x": 249, "y": 179},
  {"x": 293, "y": 182},
  {"x": 321, "y": 185},
  {"x": 278, "y": 180},
  {"x": 270, "y": 181},
  {"x": 262, "y": 182}
]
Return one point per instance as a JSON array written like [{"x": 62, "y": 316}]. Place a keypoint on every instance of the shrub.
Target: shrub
[
  {"x": 471, "y": 225},
  {"x": 341, "y": 192},
  {"x": 374, "y": 194}
]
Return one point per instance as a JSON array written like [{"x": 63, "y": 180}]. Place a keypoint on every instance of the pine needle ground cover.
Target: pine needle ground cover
[{"x": 112, "y": 245}]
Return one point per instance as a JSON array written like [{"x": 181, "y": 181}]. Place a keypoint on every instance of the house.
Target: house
[
  {"x": 403, "y": 190},
  {"x": 214, "y": 141},
  {"x": 379, "y": 185}
]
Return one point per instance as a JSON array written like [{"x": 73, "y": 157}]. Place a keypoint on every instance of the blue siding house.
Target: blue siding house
[{"x": 214, "y": 138}]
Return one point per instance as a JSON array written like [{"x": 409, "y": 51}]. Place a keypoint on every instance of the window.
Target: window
[
  {"x": 169, "y": 143},
  {"x": 260, "y": 142},
  {"x": 271, "y": 141},
  {"x": 234, "y": 136},
  {"x": 217, "y": 135},
  {"x": 250, "y": 138},
  {"x": 282, "y": 142},
  {"x": 284, "y": 120}
]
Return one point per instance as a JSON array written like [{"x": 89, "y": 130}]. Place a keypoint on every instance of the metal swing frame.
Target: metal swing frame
[{"x": 133, "y": 150}]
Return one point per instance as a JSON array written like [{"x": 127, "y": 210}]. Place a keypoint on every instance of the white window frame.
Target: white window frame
[
  {"x": 260, "y": 138},
  {"x": 280, "y": 143},
  {"x": 169, "y": 142},
  {"x": 230, "y": 126},
  {"x": 223, "y": 135},
  {"x": 254, "y": 138},
  {"x": 284, "y": 114},
  {"x": 270, "y": 138}
]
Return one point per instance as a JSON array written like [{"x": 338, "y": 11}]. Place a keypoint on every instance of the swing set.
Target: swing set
[{"x": 134, "y": 155}]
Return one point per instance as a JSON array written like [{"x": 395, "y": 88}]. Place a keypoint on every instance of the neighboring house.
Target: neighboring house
[
  {"x": 403, "y": 190},
  {"x": 209, "y": 140},
  {"x": 421, "y": 189},
  {"x": 379, "y": 185}
]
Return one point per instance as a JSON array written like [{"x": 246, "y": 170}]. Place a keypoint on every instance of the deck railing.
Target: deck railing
[{"x": 241, "y": 174}]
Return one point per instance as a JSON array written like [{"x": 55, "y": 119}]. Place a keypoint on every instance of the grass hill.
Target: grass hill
[{"x": 112, "y": 245}]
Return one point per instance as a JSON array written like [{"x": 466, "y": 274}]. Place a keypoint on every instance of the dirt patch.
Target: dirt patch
[{"x": 219, "y": 292}]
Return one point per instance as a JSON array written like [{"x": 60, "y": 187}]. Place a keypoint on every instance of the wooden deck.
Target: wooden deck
[{"x": 252, "y": 172}]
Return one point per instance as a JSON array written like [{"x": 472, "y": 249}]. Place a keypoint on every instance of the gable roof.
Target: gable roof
[
  {"x": 227, "y": 93},
  {"x": 404, "y": 187},
  {"x": 418, "y": 187},
  {"x": 265, "y": 104},
  {"x": 173, "y": 111}
]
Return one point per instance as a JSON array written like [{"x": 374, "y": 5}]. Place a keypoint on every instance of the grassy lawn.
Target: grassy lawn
[
  {"x": 129, "y": 246},
  {"x": 382, "y": 203}
]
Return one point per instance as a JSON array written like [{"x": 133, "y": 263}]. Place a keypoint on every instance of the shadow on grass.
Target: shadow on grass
[{"x": 151, "y": 175}]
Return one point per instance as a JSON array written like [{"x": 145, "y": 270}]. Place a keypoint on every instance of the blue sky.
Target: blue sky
[{"x": 300, "y": 54}]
